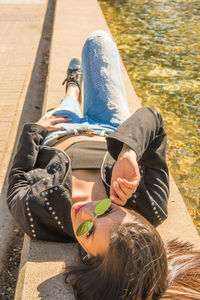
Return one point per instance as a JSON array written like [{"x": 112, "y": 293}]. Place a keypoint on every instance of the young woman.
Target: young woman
[
  {"x": 127, "y": 259},
  {"x": 93, "y": 177}
]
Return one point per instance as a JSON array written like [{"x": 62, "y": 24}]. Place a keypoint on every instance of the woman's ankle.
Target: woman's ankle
[{"x": 73, "y": 91}]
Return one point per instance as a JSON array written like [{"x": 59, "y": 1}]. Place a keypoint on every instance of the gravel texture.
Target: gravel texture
[{"x": 8, "y": 277}]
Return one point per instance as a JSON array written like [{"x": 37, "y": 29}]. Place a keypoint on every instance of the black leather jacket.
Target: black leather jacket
[{"x": 40, "y": 180}]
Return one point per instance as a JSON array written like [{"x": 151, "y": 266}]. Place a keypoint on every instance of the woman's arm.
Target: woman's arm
[
  {"x": 144, "y": 134},
  {"x": 18, "y": 186},
  {"x": 137, "y": 132},
  {"x": 125, "y": 176},
  {"x": 19, "y": 183}
]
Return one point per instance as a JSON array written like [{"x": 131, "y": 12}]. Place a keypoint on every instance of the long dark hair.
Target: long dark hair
[
  {"x": 138, "y": 266},
  {"x": 184, "y": 271}
]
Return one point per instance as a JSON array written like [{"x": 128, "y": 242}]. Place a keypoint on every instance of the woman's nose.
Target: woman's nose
[{"x": 88, "y": 213}]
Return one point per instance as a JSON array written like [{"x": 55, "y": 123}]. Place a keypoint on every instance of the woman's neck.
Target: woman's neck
[{"x": 87, "y": 185}]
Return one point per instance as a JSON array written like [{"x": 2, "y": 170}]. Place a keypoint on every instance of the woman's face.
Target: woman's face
[{"x": 96, "y": 241}]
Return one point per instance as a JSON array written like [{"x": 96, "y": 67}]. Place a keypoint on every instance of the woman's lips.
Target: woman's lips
[{"x": 78, "y": 207}]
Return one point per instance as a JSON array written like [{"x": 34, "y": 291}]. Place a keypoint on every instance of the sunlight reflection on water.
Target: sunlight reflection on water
[{"x": 159, "y": 42}]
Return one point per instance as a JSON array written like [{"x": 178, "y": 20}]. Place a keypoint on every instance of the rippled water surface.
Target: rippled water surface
[{"x": 159, "y": 42}]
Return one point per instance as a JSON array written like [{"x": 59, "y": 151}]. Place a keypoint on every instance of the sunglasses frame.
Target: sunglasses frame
[{"x": 82, "y": 230}]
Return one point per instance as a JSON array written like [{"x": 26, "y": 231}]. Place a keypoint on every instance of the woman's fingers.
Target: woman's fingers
[
  {"x": 123, "y": 190},
  {"x": 118, "y": 201},
  {"x": 130, "y": 184},
  {"x": 60, "y": 120},
  {"x": 53, "y": 128},
  {"x": 127, "y": 190},
  {"x": 120, "y": 197},
  {"x": 57, "y": 116},
  {"x": 50, "y": 120}
]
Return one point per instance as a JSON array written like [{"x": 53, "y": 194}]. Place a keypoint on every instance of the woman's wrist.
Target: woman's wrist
[{"x": 127, "y": 151}]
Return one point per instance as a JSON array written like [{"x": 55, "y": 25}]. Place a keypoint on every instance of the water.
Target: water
[{"x": 159, "y": 42}]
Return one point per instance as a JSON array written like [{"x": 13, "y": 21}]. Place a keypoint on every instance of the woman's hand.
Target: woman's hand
[
  {"x": 125, "y": 176},
  {"x": 48, "y": 122}
]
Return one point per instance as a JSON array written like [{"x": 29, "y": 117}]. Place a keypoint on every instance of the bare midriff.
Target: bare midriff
[
  {"x": 87, "y": 184},
  {"x": 64, "y": 144}
]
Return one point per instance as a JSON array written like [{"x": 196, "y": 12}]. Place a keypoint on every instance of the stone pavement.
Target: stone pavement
[
  {"x": 21, "y": 24},
  {"x": 42, "y": 263}
]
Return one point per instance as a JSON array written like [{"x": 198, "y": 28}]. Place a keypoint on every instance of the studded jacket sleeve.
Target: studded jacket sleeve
[
  {"x": 145, "y": 134},
  {"x": 18, "y": 187},
  {"x": 39, "y": 192}
]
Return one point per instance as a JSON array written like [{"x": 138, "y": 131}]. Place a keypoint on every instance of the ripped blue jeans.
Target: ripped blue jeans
[{"x": 105, "y": 103}]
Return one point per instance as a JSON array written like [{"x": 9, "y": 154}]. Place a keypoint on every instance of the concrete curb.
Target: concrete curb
[
  {"x": 42, "y": 269},
  {"x": 42, "y": 262}
]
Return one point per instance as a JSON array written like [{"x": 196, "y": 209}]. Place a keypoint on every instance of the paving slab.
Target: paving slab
[
  {"x": 21, "y": 24},
  {"x": 42, "y": 263},
  {"x": 46, "y": 270}
]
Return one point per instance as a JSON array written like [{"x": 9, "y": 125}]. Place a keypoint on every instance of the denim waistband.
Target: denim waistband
[{"x": 56, "y": 136}]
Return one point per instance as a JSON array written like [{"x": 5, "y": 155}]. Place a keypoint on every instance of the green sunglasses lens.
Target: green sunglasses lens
[
  {"x": 84, "y": 228},
  {"x": 102, "y": 206},
  {"x": 100, "y": 209}
]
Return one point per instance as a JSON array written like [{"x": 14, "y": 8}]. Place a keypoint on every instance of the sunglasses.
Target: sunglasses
[{"x": 99, "y": 210}]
